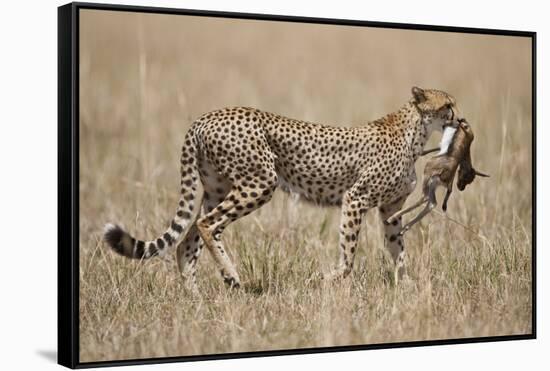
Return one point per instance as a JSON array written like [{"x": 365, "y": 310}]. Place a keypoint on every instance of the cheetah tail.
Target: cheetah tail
[{"x": 124, "y": 244}]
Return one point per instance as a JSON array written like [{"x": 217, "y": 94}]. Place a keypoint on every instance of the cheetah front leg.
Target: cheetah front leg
[
  {"x": 393, "y": 239},
  {"x": 350, "y": 225}
]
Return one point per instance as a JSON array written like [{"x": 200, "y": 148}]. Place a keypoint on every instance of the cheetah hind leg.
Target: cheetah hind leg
[
  {"x": 215, "y": 188},
  {"x": 188, "y": 252},
  {"x": 190, "y": 249},
  {"x": 239, "y": 202}
]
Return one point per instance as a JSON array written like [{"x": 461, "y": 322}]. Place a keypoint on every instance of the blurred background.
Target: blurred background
[{"x": 145, "y": 77}]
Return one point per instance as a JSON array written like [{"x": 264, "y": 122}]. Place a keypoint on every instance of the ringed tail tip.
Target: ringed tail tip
[{"x": 118, "y": 239}]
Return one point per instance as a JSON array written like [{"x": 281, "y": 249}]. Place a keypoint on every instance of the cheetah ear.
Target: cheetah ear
[{"x": 418, "y": 94}]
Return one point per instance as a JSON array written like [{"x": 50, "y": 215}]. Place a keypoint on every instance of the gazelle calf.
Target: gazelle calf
[{"x": 441, "y": 169}]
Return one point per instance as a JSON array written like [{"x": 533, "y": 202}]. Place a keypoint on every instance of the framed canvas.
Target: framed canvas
[{"x": 243, "y": 185}]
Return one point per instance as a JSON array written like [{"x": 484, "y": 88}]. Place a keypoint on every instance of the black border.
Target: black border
[
  {"x": 68, "y": 180},
  {"x": 67, "y": 188}
]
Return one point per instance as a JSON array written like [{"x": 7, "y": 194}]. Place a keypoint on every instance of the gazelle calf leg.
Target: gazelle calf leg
[
  {"x": 400, "y": 213},
  {"x": 447, "y": 195},
  {"x": 428, "y": 151},
  {"x": 432, "y": 202}
]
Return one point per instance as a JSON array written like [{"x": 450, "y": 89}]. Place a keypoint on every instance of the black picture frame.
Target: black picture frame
[{"x": 68, "y": 179}]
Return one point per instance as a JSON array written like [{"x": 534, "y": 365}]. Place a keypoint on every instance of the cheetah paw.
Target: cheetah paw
[{"x": 232, "y": 282}]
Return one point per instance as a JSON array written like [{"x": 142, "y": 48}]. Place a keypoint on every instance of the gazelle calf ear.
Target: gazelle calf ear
[
  {"x": 481, "y": 174},
  {"x": 418, "y": 94}
]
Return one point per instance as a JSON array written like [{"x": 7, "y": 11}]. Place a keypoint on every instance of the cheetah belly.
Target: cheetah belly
[
  {"x": 410, "y": 182},
  {"x": 385, "y": 185},
  {"x": 317, "y": 195},
  {"x": 405, "y": 187},
  {"x": 324, "y": 190}
]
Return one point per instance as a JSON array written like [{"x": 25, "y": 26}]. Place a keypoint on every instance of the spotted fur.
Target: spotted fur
[{"x": 241, "y": 155}]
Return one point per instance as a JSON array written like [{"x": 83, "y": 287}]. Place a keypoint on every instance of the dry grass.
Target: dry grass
[{"x": 145, "y": 77}]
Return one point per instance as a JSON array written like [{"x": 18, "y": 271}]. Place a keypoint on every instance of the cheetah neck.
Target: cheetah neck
[{"x": 416, "y": 131}]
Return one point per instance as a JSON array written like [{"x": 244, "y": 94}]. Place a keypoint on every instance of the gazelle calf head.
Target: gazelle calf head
[{"x": 466, "y": 172}]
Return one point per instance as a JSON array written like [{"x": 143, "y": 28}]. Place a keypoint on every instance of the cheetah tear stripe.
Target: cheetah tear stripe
[
  {"x": 124, "y": 244},
  {"x": 446, "y": 139}
]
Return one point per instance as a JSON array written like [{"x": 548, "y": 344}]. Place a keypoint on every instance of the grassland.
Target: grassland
[{"x": 143, "y": 78}]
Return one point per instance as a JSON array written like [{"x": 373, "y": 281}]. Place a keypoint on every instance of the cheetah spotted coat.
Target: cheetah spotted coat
[{"x": 241, "y": 155}]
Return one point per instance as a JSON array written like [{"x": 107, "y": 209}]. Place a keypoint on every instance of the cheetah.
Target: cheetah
[{"x": 241, "y": 155}]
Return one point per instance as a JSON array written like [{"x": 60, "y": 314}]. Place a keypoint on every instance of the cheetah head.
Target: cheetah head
[{"x": 436, "y": 107}]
